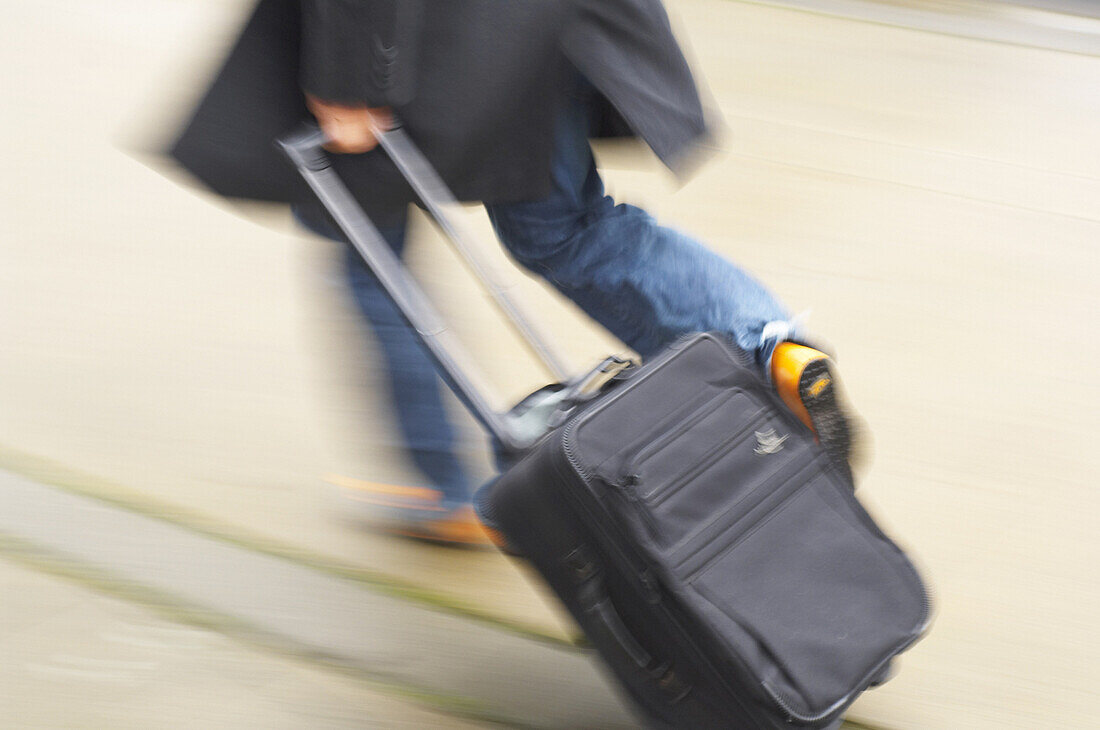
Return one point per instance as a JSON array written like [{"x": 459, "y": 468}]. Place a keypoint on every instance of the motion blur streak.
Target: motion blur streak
[{"x": 933, "y": 194}]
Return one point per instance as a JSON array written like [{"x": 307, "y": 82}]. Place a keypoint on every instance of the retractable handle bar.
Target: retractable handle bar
[
  {"x": 437, "y": 197},
  {"x": 304, "y": 149}
]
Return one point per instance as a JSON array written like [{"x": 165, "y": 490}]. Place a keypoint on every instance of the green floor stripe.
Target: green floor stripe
[
  {"x": 179, "y": 610},
  {"x": 46, "y": 471}
]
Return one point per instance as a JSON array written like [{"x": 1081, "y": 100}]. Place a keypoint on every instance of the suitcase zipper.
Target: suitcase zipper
[{"x": 794, "y": 714}]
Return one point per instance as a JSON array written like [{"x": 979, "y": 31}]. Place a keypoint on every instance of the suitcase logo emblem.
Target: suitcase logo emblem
[{"x": 769, "y": 442}]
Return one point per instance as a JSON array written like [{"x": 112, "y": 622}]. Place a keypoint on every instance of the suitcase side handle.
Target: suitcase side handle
[{"x": 596, "y": 602}]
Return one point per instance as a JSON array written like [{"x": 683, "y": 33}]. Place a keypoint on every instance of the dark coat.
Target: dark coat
[{"x": 477, "y": 83}]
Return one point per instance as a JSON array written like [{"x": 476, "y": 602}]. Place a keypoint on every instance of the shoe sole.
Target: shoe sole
[
  {"x": 817, "y": 389},
  {"x": 472, "y": 542}
]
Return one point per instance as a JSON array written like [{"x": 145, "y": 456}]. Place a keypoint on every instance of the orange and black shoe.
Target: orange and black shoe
[
  {"x": 457, "y": 526},
  {"x": 806, "y": 381}
]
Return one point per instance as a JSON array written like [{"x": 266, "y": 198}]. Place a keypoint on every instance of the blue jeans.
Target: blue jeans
[
  {"x": 414, "y": 385},
  {"x": 647, "y": 284}
]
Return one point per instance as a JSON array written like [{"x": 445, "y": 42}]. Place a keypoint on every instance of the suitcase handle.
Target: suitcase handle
[
  {"x": 596, "y": 602},
  {"x": 304, "y": 149},
  {"x": 437, "y": 198}
]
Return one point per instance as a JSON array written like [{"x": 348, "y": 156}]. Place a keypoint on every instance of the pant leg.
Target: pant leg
[
  {"x": 646, "y": 283},
  {"x": 416, "y": 389}
]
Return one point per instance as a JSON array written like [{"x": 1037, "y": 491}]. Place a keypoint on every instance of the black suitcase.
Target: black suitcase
[{"x": 711, "y": 551}]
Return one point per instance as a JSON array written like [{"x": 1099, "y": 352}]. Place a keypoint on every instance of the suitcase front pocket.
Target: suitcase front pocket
[
  {"x": 662, "y": 435},
  {"x": 819, "y": 601},
  {"x": 709, "y": 466}
]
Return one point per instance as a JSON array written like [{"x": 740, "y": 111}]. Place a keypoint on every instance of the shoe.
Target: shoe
[
  {"x": 458, "y": 526},
  {"x": 417, "y": 512},
  {"x": 806, "y": 381},
  {"x": 385, "y": 497}
]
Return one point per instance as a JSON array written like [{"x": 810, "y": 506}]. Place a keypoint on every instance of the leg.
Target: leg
[
  {"x": 646, "y": 283},
  {"x": 415, "y": 387}
]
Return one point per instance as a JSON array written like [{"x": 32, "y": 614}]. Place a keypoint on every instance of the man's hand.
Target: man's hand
[{"x": 350, "y": 129}]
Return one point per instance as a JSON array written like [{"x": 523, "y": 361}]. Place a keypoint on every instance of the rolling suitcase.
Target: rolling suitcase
[{"x": 711, "y": 551}]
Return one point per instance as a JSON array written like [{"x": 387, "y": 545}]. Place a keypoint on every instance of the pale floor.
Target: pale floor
[
  {"x": 935, "y": 200},
  {"x": 76, "y": 659}
]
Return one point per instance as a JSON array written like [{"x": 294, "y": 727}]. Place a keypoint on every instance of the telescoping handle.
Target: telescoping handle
[
  {"x": 304, "y": 149},
  {"x": 437, "y": 198}
]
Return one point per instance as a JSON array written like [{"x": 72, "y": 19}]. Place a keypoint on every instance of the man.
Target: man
[{"x": 502, "y": 96}]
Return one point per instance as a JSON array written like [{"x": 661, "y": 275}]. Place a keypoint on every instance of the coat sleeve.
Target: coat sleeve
[
  {"x": 627, "y": 50},
  {"x": 360, "y": 51}
]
